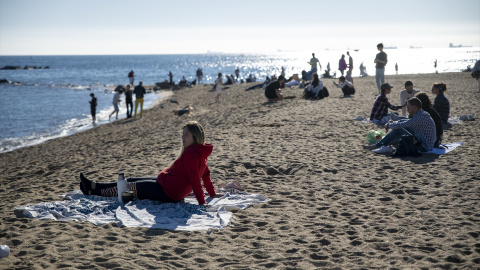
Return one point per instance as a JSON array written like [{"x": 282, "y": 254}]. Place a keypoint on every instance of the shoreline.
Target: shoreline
[{"x": 332, "y": 204}]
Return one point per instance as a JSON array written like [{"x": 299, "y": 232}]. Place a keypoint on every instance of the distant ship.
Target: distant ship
[
  {"x": 390, "y": 47},
  {"x": 457, "y": 46},
  {"x": 413, "y": 47}
]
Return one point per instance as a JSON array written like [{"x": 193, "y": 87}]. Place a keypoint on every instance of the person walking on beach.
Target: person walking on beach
[
  {"x": 173, "y": 184},
  {"x": 406, "y": 94},
  {"x": 342, "y": 64},
  {"x": 129, "y": 101},
  {"x": 93, "y": 107},
  {"x": 139, "y": 93},
  {"x": 350, "y": 68},
  {"x": 218, "y": 86},
  {"x": 131, "y": 77},
  {"x": 380, "y": 62},
  {"x": 116, "y": 100},
  {"x": 313, "y": 66}
]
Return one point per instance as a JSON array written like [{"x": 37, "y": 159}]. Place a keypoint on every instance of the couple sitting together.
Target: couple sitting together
[{"x": 423, "y": 122}]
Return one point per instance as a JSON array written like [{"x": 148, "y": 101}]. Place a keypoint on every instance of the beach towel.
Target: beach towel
[
  {"x": 186, "y": 216},
  {"x": 444, "y": 148}
]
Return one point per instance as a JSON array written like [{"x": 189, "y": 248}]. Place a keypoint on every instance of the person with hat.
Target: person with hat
[
  {"x": 381, "y": 105},
  {"x": 406, "y": 94}
]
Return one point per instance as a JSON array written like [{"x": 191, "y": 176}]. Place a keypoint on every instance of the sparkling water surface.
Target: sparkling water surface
[{"x": 46, "y": 103}]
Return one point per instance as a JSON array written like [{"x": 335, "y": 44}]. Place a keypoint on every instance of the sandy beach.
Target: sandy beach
[{"x": 332, "y": 204}]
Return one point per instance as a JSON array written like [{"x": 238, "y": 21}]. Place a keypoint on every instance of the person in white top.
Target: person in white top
[
  {"x": 406, "y": 94},
  {"x": 116, "y": 100},
  {"x": 346, "y": 86}
]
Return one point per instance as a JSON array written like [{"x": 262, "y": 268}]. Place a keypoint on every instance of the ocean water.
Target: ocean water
[{"x": 42, "y": 104}]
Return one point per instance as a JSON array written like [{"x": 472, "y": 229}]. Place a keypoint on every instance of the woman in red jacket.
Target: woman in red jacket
[{"x": 174, "y": 183}]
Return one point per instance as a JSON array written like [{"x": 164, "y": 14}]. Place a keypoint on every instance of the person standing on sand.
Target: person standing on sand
[
  {"x": 237, "y": 74},
  {"x": 131, "y": 77},
  {"x": 342, "y": 64},
  {"x": 174, "y": 183},
  {"x": 380, "y": 62},
  {"x": 93, "y": 107},
  {"x": 350, "y": 68},
  {"x": 218, "y": 87},
  {"x": 313, "y": 66},
  {"x": 170, "y": 75},
  {"x": 406, "y": 94},
  {"x": 139, "y": 93},
  {"x": 129, "y": 101},
  {"x": 116, "y": 100}
]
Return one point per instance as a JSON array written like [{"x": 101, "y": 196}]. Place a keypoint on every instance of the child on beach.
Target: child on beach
[
  {"x": 175, "y": 182},
  {"x": 379, "y": 113},
  {"x": 116, "y": 100},
  {"x": 93, "y": 107}
]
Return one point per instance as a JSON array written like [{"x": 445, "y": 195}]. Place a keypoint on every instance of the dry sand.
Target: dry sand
[{"x": 333, "y": 205}]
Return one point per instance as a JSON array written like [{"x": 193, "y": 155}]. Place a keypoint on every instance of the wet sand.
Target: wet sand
[{"x": 333, "y": 205}]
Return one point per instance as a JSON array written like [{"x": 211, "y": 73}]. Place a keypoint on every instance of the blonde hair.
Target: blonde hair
[{"x": 197, "y": 132}]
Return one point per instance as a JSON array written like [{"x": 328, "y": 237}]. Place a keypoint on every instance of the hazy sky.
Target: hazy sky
[{"x": 33, "y": 27}]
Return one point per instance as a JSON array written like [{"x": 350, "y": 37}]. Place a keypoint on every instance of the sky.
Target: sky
[{"x": 115, "y": 27}]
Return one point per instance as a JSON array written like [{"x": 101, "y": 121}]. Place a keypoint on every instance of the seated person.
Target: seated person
[
  {"x": 174, "y": 183},
  {"x": 314, "y": 90},
  {"x": 406, "y": 94},
  {"x": 295, "y": 80},
  {"x": 346, "y": 86},
  {"x": 381, "y": 105},
  {"x": 441, "y": 103},
  {"x": 273, "y": 92},
  {"x": 427, "y": 106},
  {"x": 183, "y": 81},
  {"x": 363, "y": 70},
  {"x": 420, "y": 125}
]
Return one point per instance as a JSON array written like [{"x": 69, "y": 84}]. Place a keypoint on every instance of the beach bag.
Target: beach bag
[
  {"x": 325, "y": 92},
  {"x": 374, "y": 136},
  {"x": 407, "y": 146}
]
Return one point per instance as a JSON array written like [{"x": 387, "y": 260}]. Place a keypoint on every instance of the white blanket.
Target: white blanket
[
  {"x": 444, "y": 148},
  {"x": 188, "y": 216}
]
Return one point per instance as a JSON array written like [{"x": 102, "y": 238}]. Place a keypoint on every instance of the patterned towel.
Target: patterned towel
[{"x": 188, "y": 216}]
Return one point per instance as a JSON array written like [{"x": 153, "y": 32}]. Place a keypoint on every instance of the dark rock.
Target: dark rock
[
  {"x": 11, "y": 67},
  {"x": 4, "y": 81}
]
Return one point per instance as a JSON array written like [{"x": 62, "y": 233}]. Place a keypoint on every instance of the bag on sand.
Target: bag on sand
[
  {"x": 325, "y": 92},
  {"x": 407, "y": 146}
]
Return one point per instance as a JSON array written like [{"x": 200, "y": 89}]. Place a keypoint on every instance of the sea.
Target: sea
[{"x": 50, "y": 98}]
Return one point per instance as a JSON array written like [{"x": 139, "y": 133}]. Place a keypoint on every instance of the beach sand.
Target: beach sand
[{"x": 333, "y": 205}]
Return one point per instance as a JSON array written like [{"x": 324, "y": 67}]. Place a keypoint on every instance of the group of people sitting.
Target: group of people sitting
[
  {"x": 425, "y": 121},
  {"x": 313, "y": 90}
]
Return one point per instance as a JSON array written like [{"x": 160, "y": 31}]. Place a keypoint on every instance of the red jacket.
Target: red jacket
[{"x": 184, "y": 175}]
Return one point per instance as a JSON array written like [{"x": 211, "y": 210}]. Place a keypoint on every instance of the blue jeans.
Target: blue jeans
[
  {"x": 380, "y": 77},
  {"x": 310, "y": 73},
  {"x": 394, "y": 137}
]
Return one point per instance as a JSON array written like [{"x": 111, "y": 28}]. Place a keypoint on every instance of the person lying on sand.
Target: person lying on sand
[
  {"x": 174, "y": 183},
  {"x": 420, "y": 125},
  {"x": 273, "y": 92}
]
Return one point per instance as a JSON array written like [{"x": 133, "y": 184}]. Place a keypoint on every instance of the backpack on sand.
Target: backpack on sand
[{"x": 407, "y": 146}]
